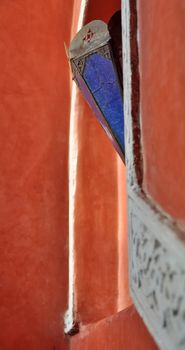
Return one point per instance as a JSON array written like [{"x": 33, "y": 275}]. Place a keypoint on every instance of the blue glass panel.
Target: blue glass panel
[{"x": 101, "y": 79}]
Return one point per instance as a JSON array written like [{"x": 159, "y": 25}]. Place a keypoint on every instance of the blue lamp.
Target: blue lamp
[{"x": 95, "y": 56}]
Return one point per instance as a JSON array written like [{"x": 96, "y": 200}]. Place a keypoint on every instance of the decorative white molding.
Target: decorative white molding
[
  {"x": 157, "y": 273},
  {"x": 131, "y": 176},
  {"x": 156, "y": 242}
]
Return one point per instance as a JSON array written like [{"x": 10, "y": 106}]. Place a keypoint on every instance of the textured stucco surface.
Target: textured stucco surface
[
  {"x": 100, "y": 225},
  {"x": 162, "y": 73},
  {"x": 125, "y": 330},
  {"x": 34, "y": 110}
]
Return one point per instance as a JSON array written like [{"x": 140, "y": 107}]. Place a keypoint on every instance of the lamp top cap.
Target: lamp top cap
[{"x": 93, "y": 35}]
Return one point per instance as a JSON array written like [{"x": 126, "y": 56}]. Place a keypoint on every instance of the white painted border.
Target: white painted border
[{"x": 69, "y": 318}]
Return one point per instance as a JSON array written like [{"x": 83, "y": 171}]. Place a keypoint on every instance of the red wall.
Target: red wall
[
  {"x": 96, "y": 224},
  {"x": 162, "y": 67},
  {"x": 123, "y": 331},
  {"x": 100, "y": 227},
  {"x": 34, "y": 110}
]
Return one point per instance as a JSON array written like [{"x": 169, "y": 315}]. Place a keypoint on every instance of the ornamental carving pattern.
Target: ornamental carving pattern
[
  {"x": 105, "y": 51},
  {"x": 80, "y": 63},
  {"x": 158, "y": 280}
]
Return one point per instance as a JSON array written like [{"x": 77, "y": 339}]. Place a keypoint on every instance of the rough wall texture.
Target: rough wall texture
[
  {"x": 162, "y": 67},
  {"x": 125, "y": 330},
  {"x": 34, "y": 111},
  {"x": 100, "y": 228}
]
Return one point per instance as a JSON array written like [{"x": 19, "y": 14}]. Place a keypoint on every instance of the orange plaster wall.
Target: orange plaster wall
[
  {"x": 96, "y": 250},
  {"x": 100, "y": 229},
  {"x": 34, "y": 110},
  {"x": 162, "y": 67},
  {"x": 123, "y": 331}
]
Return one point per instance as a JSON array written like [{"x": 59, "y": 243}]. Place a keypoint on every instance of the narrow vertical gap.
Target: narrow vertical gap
[{"x": 135, "y": 95}]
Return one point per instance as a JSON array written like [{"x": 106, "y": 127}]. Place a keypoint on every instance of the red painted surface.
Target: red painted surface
[
  {"x": 125, "y": 330},
  {"x": 96, "y": 224},
  {"x": 162, "y": 66},
  {"x": 34, "y": 110},
  {"x": 101, "y": 10},
  {"x": 101, "y": 274}
]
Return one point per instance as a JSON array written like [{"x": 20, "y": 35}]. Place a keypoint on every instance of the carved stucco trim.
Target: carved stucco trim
[
  {"x": 131, "y": 176},
  {"x": 157, "y": 273},
  {"x": 131, "y": 95},
  {"x": 156, "y": 246}
]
